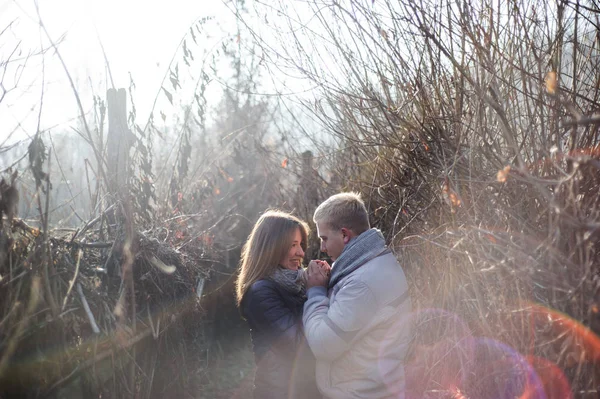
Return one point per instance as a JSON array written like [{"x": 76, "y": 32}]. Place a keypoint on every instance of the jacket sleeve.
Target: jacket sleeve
[
  {"x": 330, "y": 329},
  {"x": 266, "y": 311}
]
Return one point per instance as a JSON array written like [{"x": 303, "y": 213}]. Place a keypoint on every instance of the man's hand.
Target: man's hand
[{"x": 318, "y": 273}]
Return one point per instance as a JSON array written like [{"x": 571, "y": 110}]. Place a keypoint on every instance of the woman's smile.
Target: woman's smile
[{"x": 293, "y": 258}]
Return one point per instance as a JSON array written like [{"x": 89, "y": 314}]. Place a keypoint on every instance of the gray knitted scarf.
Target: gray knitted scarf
[
  {"x": 356, "y": 253},
  {"x": 293, "y": 281}
]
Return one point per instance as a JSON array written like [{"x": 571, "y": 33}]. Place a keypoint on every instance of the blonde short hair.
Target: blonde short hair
[
  {"x": 268, "y": 242},
  {"x": 344, "y": 210}
]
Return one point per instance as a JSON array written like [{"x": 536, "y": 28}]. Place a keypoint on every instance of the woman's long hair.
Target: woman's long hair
[{"x": 267, "y": 244}]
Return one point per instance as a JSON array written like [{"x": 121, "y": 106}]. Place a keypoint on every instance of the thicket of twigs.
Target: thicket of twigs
[
  {"x": 472, "y": 128},
  {"x": 131, "y": 302},
  {"x": 111, "y": 308},
  {"x": 78, "y": 306}
]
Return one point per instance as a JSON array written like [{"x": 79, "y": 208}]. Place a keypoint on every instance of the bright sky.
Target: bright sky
[{"x": 139, "y": 37}]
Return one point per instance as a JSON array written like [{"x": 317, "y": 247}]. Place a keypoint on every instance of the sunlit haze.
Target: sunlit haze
[{"x": 139, "y": 39}]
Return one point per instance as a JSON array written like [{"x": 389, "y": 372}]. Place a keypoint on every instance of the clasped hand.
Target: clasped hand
[{"x": 318, "y": 273}]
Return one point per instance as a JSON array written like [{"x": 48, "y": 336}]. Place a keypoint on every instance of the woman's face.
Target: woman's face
[{"x": 293, "y": 257}]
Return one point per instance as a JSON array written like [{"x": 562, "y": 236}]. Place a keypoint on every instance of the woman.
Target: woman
[{"x": 271, "y": 291}]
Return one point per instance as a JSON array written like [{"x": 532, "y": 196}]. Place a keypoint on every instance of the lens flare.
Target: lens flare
[
  {"x": 440, "y": 349},
  {"x": 499, "y": 371},
  {"x": 553, "y": 380},
  {"x": 584, "y": 344}
]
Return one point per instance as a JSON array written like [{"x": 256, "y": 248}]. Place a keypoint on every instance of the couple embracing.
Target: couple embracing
[{"x": 325, "y": 332}]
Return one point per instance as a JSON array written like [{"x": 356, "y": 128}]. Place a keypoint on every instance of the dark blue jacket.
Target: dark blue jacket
[{"x": 285, "y": 366}]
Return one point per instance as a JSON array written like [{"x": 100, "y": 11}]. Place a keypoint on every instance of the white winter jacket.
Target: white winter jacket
[{"x": 359, "y": 332}]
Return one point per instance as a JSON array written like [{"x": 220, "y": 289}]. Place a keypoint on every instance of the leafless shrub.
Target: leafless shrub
[{"x": 472, "y": 128}]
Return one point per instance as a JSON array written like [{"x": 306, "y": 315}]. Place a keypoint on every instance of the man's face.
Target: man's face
[{"x": 332, "y": 241}]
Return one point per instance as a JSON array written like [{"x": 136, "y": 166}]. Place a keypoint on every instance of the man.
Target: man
[{"x": 356, "y": 321}]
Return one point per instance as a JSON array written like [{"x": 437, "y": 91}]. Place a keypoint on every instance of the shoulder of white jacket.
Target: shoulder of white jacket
[{"x": 385, "y": 260}]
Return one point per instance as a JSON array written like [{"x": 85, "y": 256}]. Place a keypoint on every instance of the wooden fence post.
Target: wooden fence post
[{"x": 119, "y": 142}]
